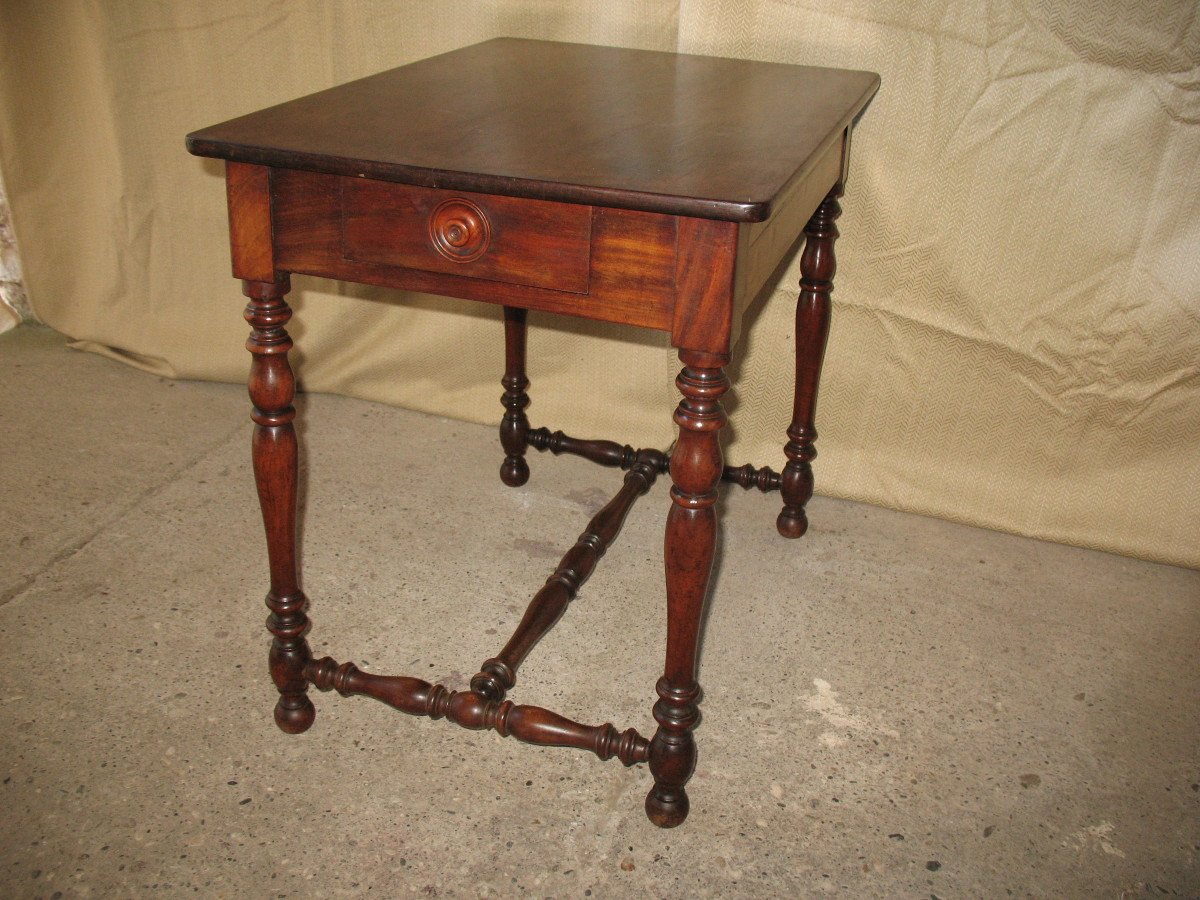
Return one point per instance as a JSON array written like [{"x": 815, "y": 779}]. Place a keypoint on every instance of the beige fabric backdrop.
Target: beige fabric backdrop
[{"x": 1016, "y": 333}]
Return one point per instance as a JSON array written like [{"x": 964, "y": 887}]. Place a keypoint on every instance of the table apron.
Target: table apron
[{"x": 613, "y": 265}]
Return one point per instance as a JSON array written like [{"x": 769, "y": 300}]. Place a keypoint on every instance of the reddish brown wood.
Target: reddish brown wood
[
  {"x": 497, "y": 675},
  {"x": 631, "y": 278},
  {"x": 514, "y": 427},
  {"x": 272, "y": 387},
  {"x": 817, "y": 268},
  {"x": 530, "y": 724},
  {"x": 692, "y": 177},
  {"x": 763, "y": 245},
  {"x": 633, "y": 266},
  {"x": 604, "y": 453},
  {"x": 248, "y": 192},
  {"x": 705, "y": 263},
  {"x": 633, "y": 129},
  {"x": 765, "y": 479},
  {"x": 610, "y": 453},
  {"x": 529, "y": 242},
  {"x": 689, "y": 548}
]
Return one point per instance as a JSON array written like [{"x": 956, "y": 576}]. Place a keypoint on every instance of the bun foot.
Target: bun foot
[
  {"x": 294, "y": 716},
  {"x": 792, "y": 524},
  {"x": 514, "y": 471},
  {"x": 666, "y": 809}
]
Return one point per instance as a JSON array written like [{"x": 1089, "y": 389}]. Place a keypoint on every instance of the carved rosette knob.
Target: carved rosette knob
[{"x": 459, "y": 230}]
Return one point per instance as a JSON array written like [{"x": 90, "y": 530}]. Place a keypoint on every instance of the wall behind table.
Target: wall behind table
[{"x": 1016, "y": 329}]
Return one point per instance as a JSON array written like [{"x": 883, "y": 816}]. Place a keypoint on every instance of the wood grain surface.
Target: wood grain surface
[{"x": 635, "y": 129}]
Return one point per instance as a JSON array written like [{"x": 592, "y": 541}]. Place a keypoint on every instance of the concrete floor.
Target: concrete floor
[{"x": 896, "y": 706}]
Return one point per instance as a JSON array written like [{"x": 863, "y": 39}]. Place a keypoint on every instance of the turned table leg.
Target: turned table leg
[
  {"x": 514, "y": 427},
  {"x": 272, "y": 387},
  {"x": 689, "y": 548},
  {"x": 817, "y": 267}
]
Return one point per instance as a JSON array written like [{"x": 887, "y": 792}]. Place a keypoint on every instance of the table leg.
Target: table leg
[
  {"x": 689, "y": 548},
  {"x": 514, "y": 427},
  {"x": 272, "y": 387},
  {"x": 817, "y": 267}
]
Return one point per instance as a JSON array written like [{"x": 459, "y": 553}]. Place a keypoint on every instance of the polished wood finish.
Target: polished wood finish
[
  {"x": 601, "y": 452},
  {"x": 817, "y": 268},
  {"x": 705, "y": 261},
  {"x": 747, "y": 476},
  {"x": 272, "y": 387},
  {"x": 248, "y": 193},
  {"x": 649, "y": 189},
  {"x": 765, "y": 247},
  {"x": 528, "y": 242},
  {"x": 631, "y": 279},
  {"x": 514, "y": 427},
  {"x": 622, "y": 456},
  {"x": 602, "y": 126},
  {"x": 498, "y": 675},
  {"x": 690, "y": 545},
  {"x": 530, "y": 724}
]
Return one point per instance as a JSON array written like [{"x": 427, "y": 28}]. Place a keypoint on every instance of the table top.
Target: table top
[{"x": 635, "y": 129}]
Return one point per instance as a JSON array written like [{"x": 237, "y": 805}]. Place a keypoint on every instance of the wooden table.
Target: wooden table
[{"x": 650, "y": 189}]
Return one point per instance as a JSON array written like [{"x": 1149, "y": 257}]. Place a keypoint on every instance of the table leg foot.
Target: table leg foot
[
  {"x": 290, "y": 655},
  {"x": 672, "y": 754},
  {"x": 689, "y": 548},
  {"x": 514, "y": 472},
  {"x": 667, "y": 810},
  {"x": 276, "y": 458},
  {"x": 817, "y": 267},
  {"x": 514, "y": 427},
  {"x": 793, "y": 523},
  {"x": 295, "y": 715}
]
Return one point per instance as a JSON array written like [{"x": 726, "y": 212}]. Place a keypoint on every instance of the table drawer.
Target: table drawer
[{"x": 527, "y": 242}]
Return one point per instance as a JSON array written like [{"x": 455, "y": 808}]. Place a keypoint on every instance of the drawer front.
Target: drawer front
[{"x": 528, "y": 242}]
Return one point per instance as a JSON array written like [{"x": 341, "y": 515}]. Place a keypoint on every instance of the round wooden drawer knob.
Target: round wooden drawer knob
[{"x": 459, "y": 230}]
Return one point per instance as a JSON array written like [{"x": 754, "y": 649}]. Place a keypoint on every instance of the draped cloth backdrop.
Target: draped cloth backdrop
[{"x": 1016, "y": 325}]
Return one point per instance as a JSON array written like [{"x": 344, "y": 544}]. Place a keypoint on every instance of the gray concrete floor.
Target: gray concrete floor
[{"x": 895, "y": 706}]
